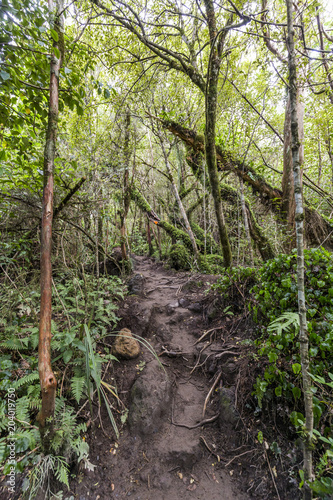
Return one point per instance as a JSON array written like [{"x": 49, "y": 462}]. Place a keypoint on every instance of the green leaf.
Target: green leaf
[
  {"x": 54, "y": 35},
  {"x": 67, "y": 355},
  {"x": 4, "y": 75},
  {"x": 297, "y": 368},
  {"x": 296, "y": 392},
  {"x": 56, "y": 52},
  {"x": 278, "y": 391}
]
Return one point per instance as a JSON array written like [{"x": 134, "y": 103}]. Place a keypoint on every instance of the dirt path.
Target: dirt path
[{"x": 167, "y": 457}]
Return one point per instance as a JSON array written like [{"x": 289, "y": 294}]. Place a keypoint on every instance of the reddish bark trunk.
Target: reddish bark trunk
[{"x": 47, "y": 378}]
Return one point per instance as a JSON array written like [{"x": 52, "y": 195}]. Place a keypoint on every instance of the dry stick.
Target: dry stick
[
  {"x": 270, "y": 470},
  {"x": 206, "y": 333},
  {"x": 218, "y": 356},
  {"x": 237, "y": 456},
  {"x": 210, "y": 392},
  {"x": 210, "y": 451},
  {"x": 200, "y": 424},
  {"x": 63, "y": 305},
  {"x": 199, "y": 357},
  {"x": 63, "y": 379}
]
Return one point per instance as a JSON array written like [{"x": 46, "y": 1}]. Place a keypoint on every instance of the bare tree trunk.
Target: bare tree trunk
[
  {"x": 329, "y": 151},
  {"x": 299, "y": 218},
  {"x": 150, "y": 245},
  {"x": 180, "y": 204},
  {"x": 47, "y": 378},
  {"x": 246, "y": 222},
  {"x": 320, "y": 163}
]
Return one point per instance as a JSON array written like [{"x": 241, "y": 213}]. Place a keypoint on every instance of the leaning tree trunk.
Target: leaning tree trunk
[
  {"x": 47, "y": 378},
  {"x": 216, "y": 43},
  {"x": 299, "y": 218},
  {"x": 180, "y": 205},
  {"x": 318, "y": 229},
  {"x": 246, "y": 222}
]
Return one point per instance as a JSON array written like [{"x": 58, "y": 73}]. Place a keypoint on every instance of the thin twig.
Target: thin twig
[
  {"x": 210, "y": 451},
  {"x": 206, "y": 333},
  {"x": 200, "y": 424},
  {"x": 270, "y": 470},
  {"x": 210, "y": 392},
  {"x": 237, "y": 456}
]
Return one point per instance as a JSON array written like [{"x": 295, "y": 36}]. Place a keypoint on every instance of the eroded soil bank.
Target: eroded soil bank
[{"x": 188, "y": 435}]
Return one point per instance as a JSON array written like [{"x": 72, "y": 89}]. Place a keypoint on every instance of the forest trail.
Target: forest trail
[{"x": 166, "y": 457}]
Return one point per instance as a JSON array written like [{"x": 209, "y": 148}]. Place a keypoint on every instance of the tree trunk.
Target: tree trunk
[
  {"x": 210, "y": 108},
  {"x": 180, "y": 204},
  {"x": 299, "y": 217},
  {"x": 318, "y": 229},
  {"x": 231, "y": 195},
  {"x": 246, "y": 222},
  {"x": 126, "y": 196},
  {"x": 288, "y": 205},
  {"x": 47, "y": 378}
]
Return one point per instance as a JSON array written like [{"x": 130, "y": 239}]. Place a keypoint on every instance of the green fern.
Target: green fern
[
  {"x": 35, "y": 404},
  {"x": 284, "y": 322},
  {"x": 77, "y": 386},
  {"x": 15, "y": 344},
  {"x": 28, "y": 379},
  {"x": 61, "y": 471},
  {"x": 2, "y": 449},
  {"x": 22, "y": 409}
]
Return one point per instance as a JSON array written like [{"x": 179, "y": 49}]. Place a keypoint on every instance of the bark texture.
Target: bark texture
[
  {"x": 288, "y": 204},
  {"x": 299, "y": 218},
  {"x": 126, "y": 196},
  {"x": 180, "y": 203},
  {"x": 216, "y": 44},
  {"x": 47, "y": 378}
]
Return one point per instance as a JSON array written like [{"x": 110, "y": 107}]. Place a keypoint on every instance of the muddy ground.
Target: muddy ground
[{"x": 191, "y": 431}]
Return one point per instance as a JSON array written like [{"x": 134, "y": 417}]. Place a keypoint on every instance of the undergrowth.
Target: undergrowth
[
  {"x": 270, "y": 293},
  {"x": 84, "y": 308}
]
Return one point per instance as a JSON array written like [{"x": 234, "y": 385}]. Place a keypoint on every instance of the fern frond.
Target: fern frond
[
  {"x": 28, "y": 379},
  {"x": 35, "y": 404},
  {"x": 15, "y": 344},
  {"x": 77, "y": 385},
  {"x": 284, "y": 322},
  {"x": 22, "y": 409}
]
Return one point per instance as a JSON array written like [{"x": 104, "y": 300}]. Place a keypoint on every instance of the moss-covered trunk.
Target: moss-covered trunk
[{"x": 216, "y": 43}]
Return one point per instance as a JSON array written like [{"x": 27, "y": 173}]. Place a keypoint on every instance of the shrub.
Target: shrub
[{"x": 179, "y": 257}]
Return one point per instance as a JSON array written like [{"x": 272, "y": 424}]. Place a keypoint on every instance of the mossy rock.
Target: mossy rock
[{"x": 179, "y": 257}]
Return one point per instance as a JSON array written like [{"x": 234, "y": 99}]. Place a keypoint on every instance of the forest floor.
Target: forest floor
[{"x": 179, "y": 452}]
